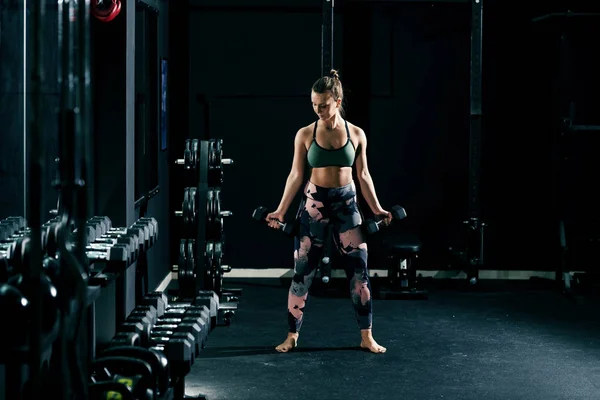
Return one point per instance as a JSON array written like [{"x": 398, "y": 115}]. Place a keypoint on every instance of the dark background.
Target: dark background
[{"x": 242, "y": 71}]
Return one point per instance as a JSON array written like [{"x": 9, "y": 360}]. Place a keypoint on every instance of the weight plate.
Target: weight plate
[
  {"x": 185, "y": 206},
  {"x": 217, "y": 203},
  {"x": 187, "y": 154},
  {"x": 193, "y": 208},
  {"x": 194, "y": 150},
  {"x": 182, "y": 273},
  {"x": 217, "y": 263},
  {"x": 208, "y": 265},
  {"x": 191, "y": 258},
  {"x": 211, "y": 154},
  {"x": 209, "y": 206},
  {"x": 218, "y": 152}
]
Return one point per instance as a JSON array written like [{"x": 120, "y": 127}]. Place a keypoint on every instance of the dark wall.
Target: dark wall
[
  {"x": 159, "y": 206},
  {"x": 418, "y": 116},
  {"x": 408, "y": 88},
  {"x": 16, "y": 105},
  {"x": 257, "y": 76},
  {"x": 521, "y": 68},
  {"x": 129, "y": 162}
]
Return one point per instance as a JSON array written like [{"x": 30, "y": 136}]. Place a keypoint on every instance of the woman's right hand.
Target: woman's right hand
[{"x": 273, "y": 217}]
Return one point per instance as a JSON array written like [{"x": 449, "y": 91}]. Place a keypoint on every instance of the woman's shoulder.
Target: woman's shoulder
[
  {"x": 355, "y": 130},
  {"x": 306, "y": 131}
]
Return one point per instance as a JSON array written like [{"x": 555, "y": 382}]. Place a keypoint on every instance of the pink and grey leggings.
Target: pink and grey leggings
[{"x": 322, "y": 207}]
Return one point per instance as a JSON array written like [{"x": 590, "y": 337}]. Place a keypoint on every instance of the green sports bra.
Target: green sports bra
[{"x": 319, "y": 157}]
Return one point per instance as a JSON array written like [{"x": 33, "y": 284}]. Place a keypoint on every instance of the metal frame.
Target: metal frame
[
  {"x": 475, "y": 226},
  {"x": 327, "y": 37},
  {"x": 564, "y": 268}
]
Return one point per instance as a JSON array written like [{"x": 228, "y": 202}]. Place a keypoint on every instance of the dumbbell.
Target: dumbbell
[
  {"x": 146, "y": 229},
  {"x": 125, "y": 339},
  {"x": 149, "y": 230},
  {"x": 15, "y": 224},
  {"x": 137, "y": 324},
  {"x": 189, "y": 323},
  {"x": 183, "y": 310},
  {"x": 103, "y": 222},
  {"x": 104, "y": 252},
  {"x": 288, "y": 228},
  {"x": 187, "y": 327},
  {"x": 158, "y": 300},
  {"x": 146, "y": 318},
  {"x": 152, "y": 223},
  {"x": 15, "y": 252},
  {"x": 177, "y": 346},
  {"x": 129, "y": 238},
  {"x": 140, "y": 231},
  {"x": 372, "y": 226},
  {"x": 148, "y": 311},
  {"x": 156, "y": 359},
  {"x": 210, "y": 300},
  {"x": 9, "y": 231},
  {"x": 91, "y": 233},
  {"x": 226, "y": 313},
  {"x": 134, "y": 373},
  {"x": 7, "y": 249}
]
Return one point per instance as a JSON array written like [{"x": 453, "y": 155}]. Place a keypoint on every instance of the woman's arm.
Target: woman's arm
[
  {"x": 296, "y": 175},
  {"x": 364, "y": 177}
]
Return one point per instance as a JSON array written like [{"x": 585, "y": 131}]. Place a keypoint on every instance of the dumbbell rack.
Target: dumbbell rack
[
  {"x": 160, "y": 339},
  {"x": 201, "y": 249},
  {"x": 108, "y": 252},
  {"x": 111, "y": 250}
]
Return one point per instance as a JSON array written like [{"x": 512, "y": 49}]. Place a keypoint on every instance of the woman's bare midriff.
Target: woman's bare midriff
[{"x": 331, "y": 177}]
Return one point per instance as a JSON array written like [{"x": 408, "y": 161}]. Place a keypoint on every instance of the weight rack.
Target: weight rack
[{"x": 201, "y": 248}]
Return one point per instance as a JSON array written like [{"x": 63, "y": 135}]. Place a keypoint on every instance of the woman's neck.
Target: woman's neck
[{"x": 333, "y": 122}]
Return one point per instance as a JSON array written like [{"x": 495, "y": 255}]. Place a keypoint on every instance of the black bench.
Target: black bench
[{"x": 402, "y": 249}]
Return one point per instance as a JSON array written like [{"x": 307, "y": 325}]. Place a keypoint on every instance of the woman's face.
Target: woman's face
[{"x": 324, "y": 105}]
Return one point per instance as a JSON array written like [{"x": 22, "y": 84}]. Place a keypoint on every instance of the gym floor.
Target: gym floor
[{"x": 514, "y": 342}]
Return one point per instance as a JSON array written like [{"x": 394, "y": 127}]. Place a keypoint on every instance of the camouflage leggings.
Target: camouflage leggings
[{"x": 322, "y": 207}]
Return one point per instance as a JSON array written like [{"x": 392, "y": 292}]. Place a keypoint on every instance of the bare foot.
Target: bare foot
[
  {"x": 369, "y": 343},
  {"x": 290, "y": 342}
]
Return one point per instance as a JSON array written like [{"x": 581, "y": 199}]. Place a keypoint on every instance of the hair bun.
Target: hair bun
[{"x": 334, "y": 74}]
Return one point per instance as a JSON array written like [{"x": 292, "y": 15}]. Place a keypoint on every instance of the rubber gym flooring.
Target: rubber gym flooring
[{"x": 499, "y": 343}]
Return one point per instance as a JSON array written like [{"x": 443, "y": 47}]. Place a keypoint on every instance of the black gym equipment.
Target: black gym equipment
[
  {"x": 402, "y": 282},
  {"x": 136, "y": 374},
  {"x": 469, "y": 254},
  {"x": 327, "y": 37},
  {"x": 193, "y": 156},
  {"x": 566, "y": 38},
  {"x": 159, "y": 364},
  {"x": 371, "y": 226},
  {"x": 201, "y": 248},
  {"x": 210, "y": 265},
  {"x": 289, "y": 228},
  {"x": 205, "y": 210},
  {"x": 125, "y": 339},
  {"x": 178, "y": 346}
]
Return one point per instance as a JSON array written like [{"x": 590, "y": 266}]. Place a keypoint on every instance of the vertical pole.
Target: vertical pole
[
  {"x": 475, "y": 110},
  {"x": 565, "y": 119},
  {"x": 86, "y": 153},
  {"x": 201, "y": 264},
  {"x": 327, "y": 38},
  {"x": 474, "y": 224},
  {"x": 36, "y": 199}
]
